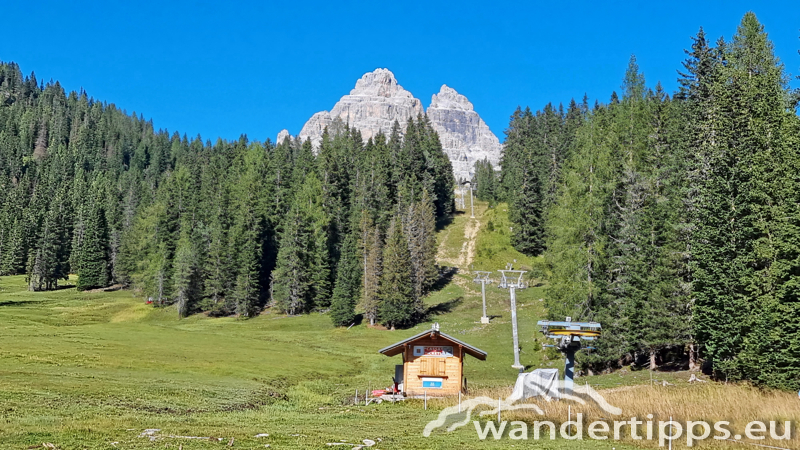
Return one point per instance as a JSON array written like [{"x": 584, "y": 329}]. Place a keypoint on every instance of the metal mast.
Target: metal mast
[
  {"x": 471, "y": 203},
  {"x": 512, "y": 279},
  {"x": 483, "y": 278}
]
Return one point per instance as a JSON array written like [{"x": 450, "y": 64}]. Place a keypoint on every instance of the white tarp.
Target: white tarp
[{"x": 539, "y": 383}]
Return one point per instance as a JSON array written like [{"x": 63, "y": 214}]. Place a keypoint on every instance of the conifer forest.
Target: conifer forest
[{"x": 673, "y": 218}]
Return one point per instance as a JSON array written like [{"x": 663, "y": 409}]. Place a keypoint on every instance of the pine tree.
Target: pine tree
[
  {"x": 486, "y": 181},
  {"x": 348, "y": 284},
  {"x": 419, "y": 228},
  {"x": 397, "y": 307},
  {"x": 291, "y": 280},
  {"x": 186, "y": 277},
  {"x": 756, "y": 171},
  {"x": 301, "y": 278},
  {"x": 92, "y": 264},
  {"x": 49, "y": 259},
  {"x": 218, "y": 265},
  {"x": 371, "y": 245}
]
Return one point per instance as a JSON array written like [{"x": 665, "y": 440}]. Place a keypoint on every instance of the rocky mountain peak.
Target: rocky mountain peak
[
  {"x": 373, "y": 106},
  {"x": 283, "y": 134},
  {"x": 377, "y": 101},
  {"x": 379, "y": 83},
  {"x": 448, "y": 98},
  {"x": 464, "y": 135}
]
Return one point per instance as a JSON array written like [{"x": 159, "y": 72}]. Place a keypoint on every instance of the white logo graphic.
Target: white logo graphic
[{"x": 451, "y": 418}]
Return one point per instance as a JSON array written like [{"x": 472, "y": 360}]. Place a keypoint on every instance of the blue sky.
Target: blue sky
[{"x": 258, "y": 67}]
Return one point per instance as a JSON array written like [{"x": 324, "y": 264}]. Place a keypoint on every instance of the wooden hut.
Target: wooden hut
[{"x": 433, "y": 362}]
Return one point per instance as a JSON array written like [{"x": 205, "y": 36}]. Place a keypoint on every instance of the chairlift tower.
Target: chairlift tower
[
  {"x": 482, "y": 277},
  {"x": 471, "y": 203},
  {"x": 512, "y": 280},
  {"x": 569, "y": 335}
]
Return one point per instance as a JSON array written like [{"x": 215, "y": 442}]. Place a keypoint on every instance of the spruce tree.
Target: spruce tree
[
  {"x": 92, "y": 264},
  {"x": 310, "y": 200},
  {"x": 348, "y": 284},
  {"x": 371, "y": 245},
  {"x": 301, "y": 279},
  {"x": 419, "y": 228},
  {"x": 218, "y": 265},
  {"x": 513, "y": 154},
  {"x": 186, "y": 278},
  {"x": 486, "y": 181},
  {"x": 397, "y": 303},
  {"x": 291, "y": 280},
  {"x": 762, "y": 197},
  {"x": 13, "y": 248},
  {"x": 49, "y": 259}
]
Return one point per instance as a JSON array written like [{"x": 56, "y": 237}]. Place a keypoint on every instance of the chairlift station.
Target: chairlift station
[{"x": 569, "y": 335}]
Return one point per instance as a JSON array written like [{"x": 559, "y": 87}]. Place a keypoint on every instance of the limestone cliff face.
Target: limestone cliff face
[
  {"x": 378, "y": 100},
  {"x": 464, "y": 135},
  {"x": 373, "y": 106}
]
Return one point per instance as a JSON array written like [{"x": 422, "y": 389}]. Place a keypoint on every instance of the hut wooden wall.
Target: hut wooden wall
[{"x": 449, "y": 369}]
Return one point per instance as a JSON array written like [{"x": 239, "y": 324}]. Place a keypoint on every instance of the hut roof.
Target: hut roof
[{"x": 398, "y": 347}]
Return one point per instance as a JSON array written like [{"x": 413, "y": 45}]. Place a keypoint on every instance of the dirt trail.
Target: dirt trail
[
  {"x": 446, "y": 255},
  {"x": 468, "y": 247}
]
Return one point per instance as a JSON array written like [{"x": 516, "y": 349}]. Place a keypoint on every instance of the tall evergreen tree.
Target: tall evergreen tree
[
  {"x": 485, "y": 181},
  {"x": 48, "y": 261},
  {"x": 348, "y": 284},
  {"x": 745, "y": 256},
  {"x": 419, "y": 228},
  {"x": 371, "y": 245},
  {"x": 301, "y": 277},
  {"x": 92, "y": 263},
  {"x": 398, "y": 306},
  {"x": 186, "y": 280},
  {"x": 575, "y": 228}
]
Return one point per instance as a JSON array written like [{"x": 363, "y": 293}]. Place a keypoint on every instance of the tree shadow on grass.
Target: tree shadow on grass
[
  {"x": 446, "y": 275},
  {"x": 61, "y": 288},
  {"x": 447, "y": 220},
  {"x": 18, "y": 302},
  {"x": 441, "y": 308}
]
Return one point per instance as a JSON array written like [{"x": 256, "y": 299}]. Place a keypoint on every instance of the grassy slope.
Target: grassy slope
[{"x": 85, "y": 370}]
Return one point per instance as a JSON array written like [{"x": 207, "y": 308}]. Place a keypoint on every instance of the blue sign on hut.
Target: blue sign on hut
[{"x": 433, "y": 362}]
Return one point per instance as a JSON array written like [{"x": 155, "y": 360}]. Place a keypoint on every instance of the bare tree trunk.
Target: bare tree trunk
[{"x": 693, "y": 358}]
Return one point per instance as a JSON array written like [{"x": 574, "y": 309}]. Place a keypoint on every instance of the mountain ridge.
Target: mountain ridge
[{"x": 378, "y": 100}]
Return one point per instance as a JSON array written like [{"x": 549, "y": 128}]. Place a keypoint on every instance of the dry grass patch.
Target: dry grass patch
[{"x": 709, "y": 402}]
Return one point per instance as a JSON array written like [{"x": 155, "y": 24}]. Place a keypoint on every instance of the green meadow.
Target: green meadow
[{"x": 95, "y": 369}]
